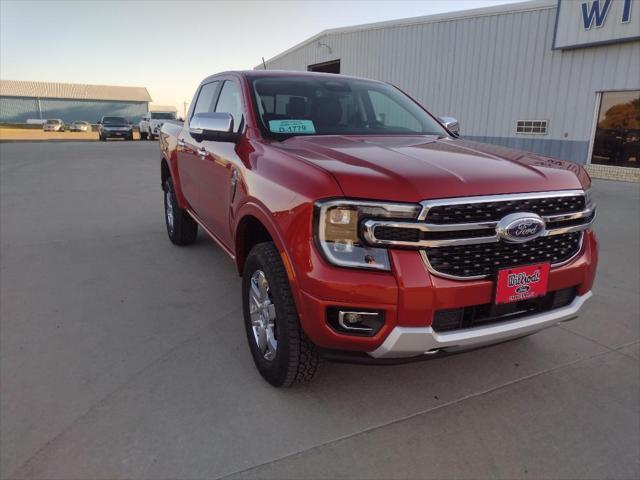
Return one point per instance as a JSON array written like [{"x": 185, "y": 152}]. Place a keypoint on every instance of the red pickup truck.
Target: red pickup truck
[{"x": 365, "y": 229}]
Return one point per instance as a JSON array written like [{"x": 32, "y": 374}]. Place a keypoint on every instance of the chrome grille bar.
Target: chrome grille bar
[
  {"x": 370, "y": 226},
  {"x": 565, "y": 213}
]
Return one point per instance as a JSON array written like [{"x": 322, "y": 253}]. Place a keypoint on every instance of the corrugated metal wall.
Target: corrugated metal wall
[
  {"x": 16, "y": 109},
  {"x": 487, "y": 71}
]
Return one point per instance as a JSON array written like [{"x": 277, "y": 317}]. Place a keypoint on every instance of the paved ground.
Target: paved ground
[
  {"x": 22, "y": 134},
  {"x": 124, "y": 357}
]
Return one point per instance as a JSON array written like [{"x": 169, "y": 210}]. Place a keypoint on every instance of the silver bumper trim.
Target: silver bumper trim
[{"x": 414, "y": 341}]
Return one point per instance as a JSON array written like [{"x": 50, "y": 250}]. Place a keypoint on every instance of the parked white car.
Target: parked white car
[
  {"x": 152, "y": 121},
  {"x": 53, "y": 125},
  {"x": 80, "y": 126}
]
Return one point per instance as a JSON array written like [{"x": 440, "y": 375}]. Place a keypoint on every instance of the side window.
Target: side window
[
  {"x": 390, "y": 114},
  {"x": 230, "y": 101},
  {"x": 206, "y": 97}
]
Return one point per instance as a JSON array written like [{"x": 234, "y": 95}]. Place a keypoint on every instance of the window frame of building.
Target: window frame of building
[{"x": 532, "y": 127}]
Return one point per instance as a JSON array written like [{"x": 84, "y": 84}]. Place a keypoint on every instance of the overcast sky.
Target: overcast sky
[{"x": 169, "y": 47}]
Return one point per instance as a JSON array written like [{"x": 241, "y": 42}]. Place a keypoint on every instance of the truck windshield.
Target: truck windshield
[
  {"x": 163, "y": 115},
  {"x": 117, "y": 120},
  {"x": 297, "y": 105},
  {"x": 53, "y": 122}
]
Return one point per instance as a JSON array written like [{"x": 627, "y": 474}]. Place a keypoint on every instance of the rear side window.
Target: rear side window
[
  {"x": 206, "y": 97},
  {"x": 230, "y": 101}
]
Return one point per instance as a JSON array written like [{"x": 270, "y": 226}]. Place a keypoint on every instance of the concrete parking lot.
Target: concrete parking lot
[{"x": 123, "y": 356}]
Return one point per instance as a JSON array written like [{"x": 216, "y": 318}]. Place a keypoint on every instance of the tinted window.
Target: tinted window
[
  {"x": 206, "y": 97},
  {"x": 294, "y": 105},
  {"x": 391, "y": 114},
  {"x": 230, "y": 101},
  {"x": 114, "y": 120},
  {"x": 163, "y": 115}
]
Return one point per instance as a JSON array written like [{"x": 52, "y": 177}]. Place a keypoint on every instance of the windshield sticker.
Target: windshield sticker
[{"x": 291, "y": 126}]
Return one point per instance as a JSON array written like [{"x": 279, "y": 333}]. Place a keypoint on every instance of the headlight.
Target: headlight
[{"x": 338, "y": 233}]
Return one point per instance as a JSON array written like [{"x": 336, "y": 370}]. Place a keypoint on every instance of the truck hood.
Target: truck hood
[{"x": 414, "y": 168}]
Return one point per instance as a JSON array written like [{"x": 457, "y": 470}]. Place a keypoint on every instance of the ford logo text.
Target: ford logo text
[{"x": 520, "y": 227}]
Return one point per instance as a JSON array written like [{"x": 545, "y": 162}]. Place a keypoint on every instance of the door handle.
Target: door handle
[{"x": 202, "y": 153}]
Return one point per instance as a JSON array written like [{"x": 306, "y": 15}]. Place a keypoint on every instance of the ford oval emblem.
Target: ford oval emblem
[{"x": 520, "y": 227}]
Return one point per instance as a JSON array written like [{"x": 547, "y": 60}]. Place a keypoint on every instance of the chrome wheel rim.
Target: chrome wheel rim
[
  {"x": 263, "y": 315},
  {"x": 169, "y": 210}
]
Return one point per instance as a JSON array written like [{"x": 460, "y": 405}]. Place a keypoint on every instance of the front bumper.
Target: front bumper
[
  {"x": 117, "y": 133},
  {"x": 414, "y": 341},
  {"x": 411, "y": 295}
]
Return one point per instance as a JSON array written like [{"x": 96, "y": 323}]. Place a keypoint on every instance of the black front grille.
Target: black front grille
[
  {"x": 415, "y": 235},
  {"x": 398, "y": 234},
  {"x": 486, "y": 314},
  {"x": 494, "y": 211},
  {"x": 486, "y": 259}
]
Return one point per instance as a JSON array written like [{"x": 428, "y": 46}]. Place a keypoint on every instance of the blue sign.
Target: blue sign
[{"x": 596, "y": 12}]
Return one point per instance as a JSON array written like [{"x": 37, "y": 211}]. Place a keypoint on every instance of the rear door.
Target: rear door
[{"x": 189, "y": 158}]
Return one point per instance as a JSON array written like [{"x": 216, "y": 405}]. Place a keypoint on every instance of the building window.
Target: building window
[
  {"x": 532, "y": 127},
  {"x": 617, "y": 136}
]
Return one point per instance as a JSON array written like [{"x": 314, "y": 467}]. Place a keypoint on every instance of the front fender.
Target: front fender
[{"x": 295, "y": 219}]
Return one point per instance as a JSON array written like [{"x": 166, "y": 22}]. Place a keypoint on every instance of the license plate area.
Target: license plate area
[{"x": 522, "y": 283}]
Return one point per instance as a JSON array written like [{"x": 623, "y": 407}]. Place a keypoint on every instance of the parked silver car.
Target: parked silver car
[
  {"x": 80, "y": 126},
  {"x": 53, "y": 125}
]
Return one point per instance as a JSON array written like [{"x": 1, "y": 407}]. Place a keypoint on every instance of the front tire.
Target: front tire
[
  {"x": 143, "y": 135},
  {"x": 281, "y": 351},
  {"x": 181, "y": 228}
]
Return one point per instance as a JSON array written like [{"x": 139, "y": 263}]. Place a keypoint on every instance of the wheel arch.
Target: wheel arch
[
  {"x": 168, "y": 170},
  {"x": 255, "y": 226}
]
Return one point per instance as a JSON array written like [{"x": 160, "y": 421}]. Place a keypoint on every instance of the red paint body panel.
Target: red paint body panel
[{"x": 279, "y": 183}]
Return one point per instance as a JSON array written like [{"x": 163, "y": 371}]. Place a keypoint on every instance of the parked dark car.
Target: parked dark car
[{"x": 115, "y": 127}]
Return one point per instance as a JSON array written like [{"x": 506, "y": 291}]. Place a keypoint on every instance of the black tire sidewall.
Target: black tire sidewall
[
  {"x": 274, "y": 371},
  {"x": 168, "y": 185},
  {"x": 185, "y": 229}
]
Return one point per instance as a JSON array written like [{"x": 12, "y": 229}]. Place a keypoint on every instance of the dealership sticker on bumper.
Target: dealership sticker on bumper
[{"x": 522, "y": 283}]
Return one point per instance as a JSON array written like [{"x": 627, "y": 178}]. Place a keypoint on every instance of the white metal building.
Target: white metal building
[
  {"x": 21, "y": 100},
  {"x": 549, "y": 76}
]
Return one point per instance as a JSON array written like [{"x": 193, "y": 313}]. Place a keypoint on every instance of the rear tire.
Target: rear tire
[
  {"x": 270, "y": 314},
  {"x": 181, "y": 228}
]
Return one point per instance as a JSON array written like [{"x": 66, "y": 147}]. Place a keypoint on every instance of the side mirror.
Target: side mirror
[
  {"x": 217, "y": 127},
  {"x": 451, "y": 124},
  {"x": 99, "y": 122}
]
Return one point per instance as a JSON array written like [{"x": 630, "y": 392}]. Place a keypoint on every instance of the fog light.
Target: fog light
[{"x": 355, "y": 322}]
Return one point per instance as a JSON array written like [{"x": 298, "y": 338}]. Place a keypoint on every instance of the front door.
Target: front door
[
  {"x": 190, "y": 152},
  {"x": 218, "y": 165}
]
